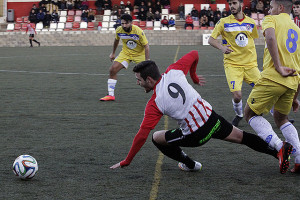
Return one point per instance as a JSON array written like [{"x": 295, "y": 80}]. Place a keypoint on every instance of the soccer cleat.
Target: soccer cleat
[
  {"x": 236, "y": 120},
  {"x": 291, "y": 120},
  {"x": 183, "y": 167},
  {"x": 39, "y": 44},
  {"x": 284, "y": 157},
  {"x": 107, "y": 98},
  {"x": 296, "y": 169}
]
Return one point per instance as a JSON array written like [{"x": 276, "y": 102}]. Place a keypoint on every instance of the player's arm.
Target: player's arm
[
  {"x": 216, "y": 44},
  {"x": 112, "y": 56},
  {"x": 147, "y": 52},
  {"x": 273, "y": 49}
]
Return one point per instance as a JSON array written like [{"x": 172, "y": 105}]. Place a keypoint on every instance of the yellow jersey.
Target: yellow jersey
[
  {"x": 288, "y": 41},
  {"x": 133, "y": 42},
  {"x": 240, "y": 35}
]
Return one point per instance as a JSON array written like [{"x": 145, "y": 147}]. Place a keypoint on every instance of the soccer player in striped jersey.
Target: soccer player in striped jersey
[
  {"x": 135, "y": 49},
  {"x": 198, "y": 122},
  {"x": 296, "y": 9},
  {"x": 278, "y": 86},
  {"x": 31, "y": 34},
  {"x": 240, "y": 60}
]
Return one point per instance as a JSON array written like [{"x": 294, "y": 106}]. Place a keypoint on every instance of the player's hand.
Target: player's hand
[
  {"x": 295, "y": 105},
  {"x": 201, "y": 80},
  {"x": 226, "y": 49},
  {"x": 115, "y": 166},
  {"x": 286, "y": 71},
  {"x": 112, "y": 57}
]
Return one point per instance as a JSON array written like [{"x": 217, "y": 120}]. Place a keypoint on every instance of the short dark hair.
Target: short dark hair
[
  {"x": 297, "y": 3},
  {"x": 147, "y": 68},
  {"x": 126, "y": 17},
  {"x": 288, "y": 4}
]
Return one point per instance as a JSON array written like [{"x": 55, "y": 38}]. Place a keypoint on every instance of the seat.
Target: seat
[
  {"x": 53, "y": 26},
  {"x": 39, "y": 26},
  {"x": 164, "y": 11},
  {"x": 83, "y": 26},
  {"x": 76, "y": 25},
  {"x": 77, "y": 19},
  {"x": 78, "y": 12},
  {"x": 70, "y": 18},
  {"x": 136, "y": 22},
  {"x": 143, "y": 24},
  {"x": 10, "y": 27},
  {"x": 105, "y": 26},
  {"x": 60, "y": 26},
  {"x": 17, "y": 27},
  {"x": 111, "y": 25},
  {"x": 19, "y": 20},
  {"x": 172, "y": 28},
  {"x": 71, "y": 12},
  {"x": 164, "y": 28},
  {"x": 174, "y": 17},
  {"x": 63, "y": 13},
  {"x": 105, "y": 18},
  {"x": 90, "y": 26},
  {"x": 254, "y": 16},
  {"x": 210, "y": 28},
  {"x": 196, "y": 23},
  {"x": 203, "y": 28},
  {"x": 23, "y": 27},
  {"x": 149, "y": 25},
  {"x": 62, "y": 19},
  {"x": 68, "y": 26},
  {"x": 25, "y": 19},
  {"x": 157, "y": 25},
  {"x": 189, "y": 28},
  {"x": 107, "y": 12}
]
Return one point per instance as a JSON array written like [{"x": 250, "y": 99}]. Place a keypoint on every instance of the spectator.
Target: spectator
[
  {"x": 84, "y": 16},
  {"x": 62, "y": 4},
  {"x": 70, "y": 5},
  {"x": 165, "y": 22},
  {"x": 54, "y": 16},
  {"x": 158, "y": 7},
  {"x": 128, "y": 5},
  {"x": 267, "y": 7},
  {"x": 209, "y": 12},
  {"x": 157, "y": 16},
  {"x": 43, "y": 8},
  {"x": 247, "y": 11},
  {"x": 203, "y": 11},
  {"x": 189, "y": 21},
  {"x": 32, "y": 17},
  {"x": 118, "y": 22},
  {"x": 99, "y": 26},
  {"x": 127, "y": 11},
  {"x": 253, "y": 5},
  {"x": 217, "y": 18},
  {"x": 84, "y": 5},
  {"x": 224, "y": 13},
  {"x": 107, "y": 4},
  {"x": 142, "y": 6},
  {"x": 171, "y": 22},
  {"x": 181, "y": 11},
  {"x": 91, "y": 15},
  {"x": 166, "y": 4},
  {"x": 122, "y": 5},
  {"x": 36, "y": 10},
  {"x": 195, "y": 14},
  {"x": 40, "y": 16},
  {"x": 99, "y": 5},
  {"x": 142, "y": 14},
  {"x": 150, "y": 15},
  {"x": 217, "y": 12},
  {"x": 137, "y": 3},
  {"x": 77, "y": 4},
  {"x": 42, "y": 2},
  {"x": 47, "y": 19},
  {"x": 211, "y": 20},
  {"x": 260, "y": 7},
  {"x": 204, "y": 21}
]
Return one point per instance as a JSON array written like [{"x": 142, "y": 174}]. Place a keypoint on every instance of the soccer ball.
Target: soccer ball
[{"x": 25, "y": 166}]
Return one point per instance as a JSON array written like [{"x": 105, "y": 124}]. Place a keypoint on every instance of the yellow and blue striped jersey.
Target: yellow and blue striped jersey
[
  {"x": 240, "y": 35},
  {"x": 133, "y": 42},
  {"x": 288, "y": 42}
]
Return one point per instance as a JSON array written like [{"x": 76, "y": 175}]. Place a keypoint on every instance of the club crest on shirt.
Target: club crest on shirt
[
  {"x": 241, "y": 40},
  {"x": 131, "y": 44}
]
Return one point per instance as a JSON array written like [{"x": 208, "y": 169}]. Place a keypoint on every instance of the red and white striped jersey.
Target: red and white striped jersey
[
  {"x": 175, "y": 97},
  {"x": 297, "y": 21},
  {"x": 30, "y": 29}
]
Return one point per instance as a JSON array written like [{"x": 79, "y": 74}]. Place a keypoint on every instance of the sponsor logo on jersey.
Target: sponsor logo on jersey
[
  {"x": 126, "y": 36},
  {"x": 241, "y": 39},
  {"x": 131, "y": 44}
]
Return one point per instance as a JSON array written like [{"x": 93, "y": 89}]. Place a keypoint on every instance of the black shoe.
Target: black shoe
[
  {"x": 236, "y": 120},
  {"x": 291, "y": 120},
  {"x": 39, "y": 44}
]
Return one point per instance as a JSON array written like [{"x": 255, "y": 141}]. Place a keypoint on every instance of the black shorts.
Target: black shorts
[
  {"x": 31, "y": 35},
  {"x": 216, "y": 127}
]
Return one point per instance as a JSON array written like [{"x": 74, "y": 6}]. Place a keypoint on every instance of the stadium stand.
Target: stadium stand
[
  {"x": 17, "y": 27},
  {"x": 60, "y": 26},
  {"x": 53, "y": 26},
  {"x": 10, "y": 27}
]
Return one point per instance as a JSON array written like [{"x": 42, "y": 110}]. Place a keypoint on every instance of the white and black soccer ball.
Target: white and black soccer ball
[{"x": 25, "y": 166}]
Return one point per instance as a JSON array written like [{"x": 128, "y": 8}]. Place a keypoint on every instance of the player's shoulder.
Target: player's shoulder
[
  {"x": 119, "y": 30},
  {"x": 137, "y": 29},
  {"x": 249, "y": 19}
]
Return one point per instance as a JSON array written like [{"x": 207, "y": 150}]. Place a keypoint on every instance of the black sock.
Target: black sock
[
  {"x": 30, "y": 41},
  {"x": 35, "y": 41},
  {"x": 258, "y": 144},
  {"x": 175, "y": 153}
]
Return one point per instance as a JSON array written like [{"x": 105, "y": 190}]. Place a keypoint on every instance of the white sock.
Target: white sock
[
  {"x": 264, "y": 130},
  {"x": 238, "y": 108},
  {"x": 291, "y": 136},
  {"x": 111, "y": 84}
]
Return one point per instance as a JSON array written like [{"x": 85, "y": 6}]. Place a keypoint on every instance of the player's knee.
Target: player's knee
[{"x": 159, "y": 137}]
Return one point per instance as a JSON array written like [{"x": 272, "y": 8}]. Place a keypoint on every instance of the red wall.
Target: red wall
[{"x": 23, "y": 8}]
